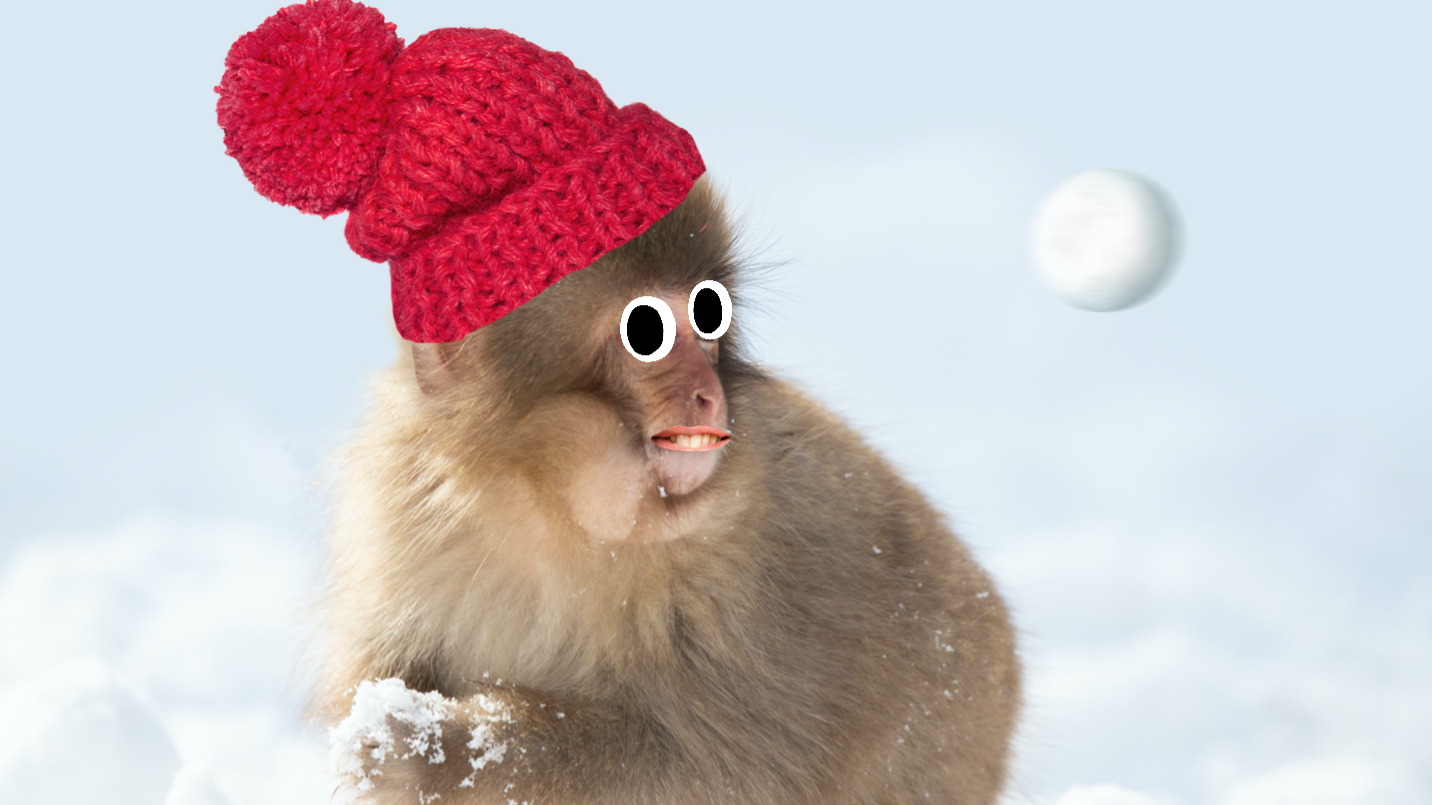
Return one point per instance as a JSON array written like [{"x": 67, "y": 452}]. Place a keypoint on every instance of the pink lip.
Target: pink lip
[{"x": 664, "y": 439}]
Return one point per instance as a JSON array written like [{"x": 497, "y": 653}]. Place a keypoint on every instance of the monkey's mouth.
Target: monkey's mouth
[{"x": 683, "y": 438}]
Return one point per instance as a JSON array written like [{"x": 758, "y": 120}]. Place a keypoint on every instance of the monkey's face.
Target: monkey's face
[
  {"x": 669, "y": 376},
  {"x": 603, "y": 396},
  {"x": 654, "y": 417}
]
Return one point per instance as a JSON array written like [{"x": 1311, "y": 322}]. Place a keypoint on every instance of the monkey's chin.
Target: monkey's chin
[{"x": 681, "y": 472}]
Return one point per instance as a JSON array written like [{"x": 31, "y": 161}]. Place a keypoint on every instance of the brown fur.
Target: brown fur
[{"x": 803, "y": 628}]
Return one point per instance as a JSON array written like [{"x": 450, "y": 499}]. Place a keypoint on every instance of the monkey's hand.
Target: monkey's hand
[
  {"x": 497, "y": 744},
  {"x": 397, "y": 742}
]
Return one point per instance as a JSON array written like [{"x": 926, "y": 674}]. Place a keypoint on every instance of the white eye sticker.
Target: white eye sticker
[
  {"x": 648, "y": 328},
  {"x": 709, "y": 309}
]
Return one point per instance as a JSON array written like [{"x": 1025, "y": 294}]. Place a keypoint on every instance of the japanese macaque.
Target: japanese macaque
[{"x": 624, "y": 565}]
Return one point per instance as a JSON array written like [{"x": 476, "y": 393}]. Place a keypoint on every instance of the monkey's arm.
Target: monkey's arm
[{"x": 499, "y": 744}]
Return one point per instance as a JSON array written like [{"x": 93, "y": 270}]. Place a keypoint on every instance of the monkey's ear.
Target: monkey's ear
[{"x": 433, "y": 366}]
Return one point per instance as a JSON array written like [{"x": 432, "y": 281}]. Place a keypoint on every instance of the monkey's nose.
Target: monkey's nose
[
  {"x": 705, "y": 401},
  {"x": 696, "y": 383}
]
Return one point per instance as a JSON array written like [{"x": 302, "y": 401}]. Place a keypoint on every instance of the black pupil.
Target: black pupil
[
  {"x": 707, "y": 311},
  {"x": 644, "y": 329}
]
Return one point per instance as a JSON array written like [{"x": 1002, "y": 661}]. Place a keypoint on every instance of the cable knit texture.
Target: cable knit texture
[{"x": 480, "y": 167}]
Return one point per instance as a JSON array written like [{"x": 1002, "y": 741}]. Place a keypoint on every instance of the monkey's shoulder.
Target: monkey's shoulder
[
  {"x": 835, "y": 508},
  {"x": 822, "y": 470}
]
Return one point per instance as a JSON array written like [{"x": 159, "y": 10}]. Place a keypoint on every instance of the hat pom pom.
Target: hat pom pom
[{"x": 304, "y": 102}]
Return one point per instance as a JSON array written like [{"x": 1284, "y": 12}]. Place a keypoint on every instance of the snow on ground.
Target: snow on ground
[
  {"x": 158, "y": 659},
  {"x": 81, "y": 733},
  {"x": 165, "y": 653},
  {"x": 1189, "y": 678}
]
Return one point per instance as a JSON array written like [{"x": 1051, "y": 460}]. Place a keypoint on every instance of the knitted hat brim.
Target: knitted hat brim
[{"x": 479, "y": 267}]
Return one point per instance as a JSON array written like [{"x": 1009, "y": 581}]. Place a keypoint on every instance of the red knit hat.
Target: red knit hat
[{"x": 479, "y": 166}]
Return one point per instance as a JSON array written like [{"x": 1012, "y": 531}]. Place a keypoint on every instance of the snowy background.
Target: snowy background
[{"x": 1212, "y": 514}]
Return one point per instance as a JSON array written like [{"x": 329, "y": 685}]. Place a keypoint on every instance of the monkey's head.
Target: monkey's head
[{"x": 610, "y": 387}]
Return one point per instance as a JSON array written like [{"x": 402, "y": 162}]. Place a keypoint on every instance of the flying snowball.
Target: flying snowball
[{"x": 1106, "y": 240}]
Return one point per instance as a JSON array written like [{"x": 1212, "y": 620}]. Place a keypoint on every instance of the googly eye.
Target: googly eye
[
  {"x": 709, "y": 309},
  {"x": 648, "y": 328}
]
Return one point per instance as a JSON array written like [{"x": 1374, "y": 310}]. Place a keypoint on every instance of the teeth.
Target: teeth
[{"x": 695, "y": 439}]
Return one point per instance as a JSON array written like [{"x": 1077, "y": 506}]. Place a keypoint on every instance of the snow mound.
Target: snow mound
[
  {"x": 196, "y": 785},
  {"x": 1105, "y": 794},
  {"x": 1328, "y": 781},
  {"x": 82, "y": 733},
  {"x": 200, "y": 619}
]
